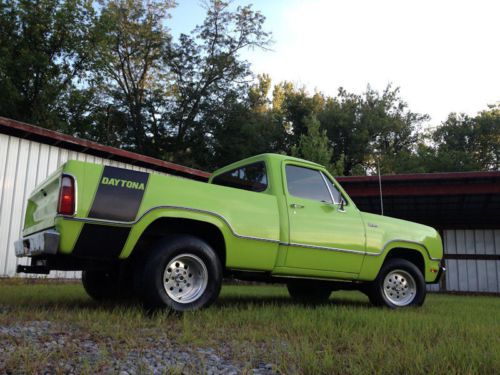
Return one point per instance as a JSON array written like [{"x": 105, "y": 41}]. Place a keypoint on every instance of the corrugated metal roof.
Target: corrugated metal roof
[
  {"x": 53, "y": 138},
  {"x": 442, "y": 200}
]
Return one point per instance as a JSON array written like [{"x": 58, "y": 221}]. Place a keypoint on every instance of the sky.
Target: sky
[{"x": 444, "y": 55}]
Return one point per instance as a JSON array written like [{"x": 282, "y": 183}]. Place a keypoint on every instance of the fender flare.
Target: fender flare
[{"x": 406, "y": 244}]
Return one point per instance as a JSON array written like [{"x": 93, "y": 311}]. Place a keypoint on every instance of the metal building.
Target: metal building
[
  {"x": 28, "y": 154},
  {"x": 464, "y": 207}
]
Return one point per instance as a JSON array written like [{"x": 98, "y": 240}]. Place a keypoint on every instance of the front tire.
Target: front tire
[
  {"x": 399, "y": 284},
  {"x": 182, "y": 273}
]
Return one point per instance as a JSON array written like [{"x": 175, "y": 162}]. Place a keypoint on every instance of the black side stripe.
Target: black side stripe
[
  {"x": 119, "y": 194},
  {"x": 100, "y": 241}
]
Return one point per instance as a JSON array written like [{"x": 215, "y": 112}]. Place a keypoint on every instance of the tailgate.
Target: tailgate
[{"x": 41, "y": 210}]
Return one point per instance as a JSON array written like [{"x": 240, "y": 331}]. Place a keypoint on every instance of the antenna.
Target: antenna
[{"x": 380, "y": 188}]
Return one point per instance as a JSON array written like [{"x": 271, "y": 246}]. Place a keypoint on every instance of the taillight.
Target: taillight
[{"x": 67, "y": 196}]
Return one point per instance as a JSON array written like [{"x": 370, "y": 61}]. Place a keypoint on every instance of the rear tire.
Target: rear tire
[
  {"x": 182, "y": 273},
  {"x": 399, "y": 284},
  {"x": 309, "y": 292}
]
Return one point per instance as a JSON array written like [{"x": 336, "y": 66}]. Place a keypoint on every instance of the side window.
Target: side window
[
  {"x": 252, "y": 177},
  {"x": 336, "y": 194},
  {"x": 306, "y": 183}
]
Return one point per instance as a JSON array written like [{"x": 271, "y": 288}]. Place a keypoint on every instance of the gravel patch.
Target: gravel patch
[{"x": 71, "y": 350}]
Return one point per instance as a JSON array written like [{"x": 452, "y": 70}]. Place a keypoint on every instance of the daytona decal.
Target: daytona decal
[
  {"x": 119, "y": 194},
  {"x": 122, "y": 183}
]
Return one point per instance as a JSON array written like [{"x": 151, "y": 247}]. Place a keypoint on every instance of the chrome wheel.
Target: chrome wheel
[
  {"x": 185, "y": 278},
  {"x": 399, "y": 287}
]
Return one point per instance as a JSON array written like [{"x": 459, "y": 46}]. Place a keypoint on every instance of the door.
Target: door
[{"x": 324, "y": 235}]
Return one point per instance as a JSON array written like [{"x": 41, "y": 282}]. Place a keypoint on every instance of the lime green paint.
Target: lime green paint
[
  {"x": 261, "y": 231},
  {"x": 42, "y": 204},
  {"x": 323, "y": 224},
  {"x": 69, "y": 231}
]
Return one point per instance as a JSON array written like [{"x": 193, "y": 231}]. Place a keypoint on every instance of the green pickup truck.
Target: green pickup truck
[{"x": 269, "y": 218}]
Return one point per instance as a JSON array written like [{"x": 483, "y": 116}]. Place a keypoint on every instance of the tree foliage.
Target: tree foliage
[
  {"x": 44, "y": 48},
  {"x": 127, "y": 69},
  {"x": 110, "y": 71},
  {"x": 465, "y": 143},
  {"x": 370, "y": 127},
  {"x": 314, "y": 146},
  {"x": 207, "y": 72}
]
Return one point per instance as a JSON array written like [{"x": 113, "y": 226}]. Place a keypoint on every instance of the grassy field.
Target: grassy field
[{"x": 254, "y": 324}]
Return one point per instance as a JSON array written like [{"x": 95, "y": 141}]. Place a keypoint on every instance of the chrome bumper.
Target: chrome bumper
[{"x": 46, "y": 242}]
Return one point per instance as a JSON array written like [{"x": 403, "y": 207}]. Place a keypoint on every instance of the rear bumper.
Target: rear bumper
[{"x": 46, "y": 242}]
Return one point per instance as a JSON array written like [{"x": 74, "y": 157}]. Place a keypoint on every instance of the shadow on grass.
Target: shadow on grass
[
  {"x": 121, "y": 306},
  {"x": 77, "y": 302},
  {"x": 244, "y": 301}
]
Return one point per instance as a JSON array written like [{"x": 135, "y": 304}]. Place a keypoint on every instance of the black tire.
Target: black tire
[
  {"x": 309, "y": 292},
  {"x": 153, "y": 287},
  {"x": 404, "y": 287},
  {"x": 101, "y": 285}
]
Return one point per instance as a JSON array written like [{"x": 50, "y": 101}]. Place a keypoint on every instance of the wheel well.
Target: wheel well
[
  {"x": 410, "y": 255},
  {"x": 165, "y": 226}
]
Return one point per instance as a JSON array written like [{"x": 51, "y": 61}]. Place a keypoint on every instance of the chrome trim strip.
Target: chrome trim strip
[
  {"x": 327, "y": 187},
  {"x": 250, "y": 271},
  {"x": 131, "y": 223},
  {"x": 98, "y": 221},
  {"x": 326, "y": 180},
  {"x": 323, "y": 248},
  {"x": 358, "y": 251},
  {"x": 277, "y": 275}
]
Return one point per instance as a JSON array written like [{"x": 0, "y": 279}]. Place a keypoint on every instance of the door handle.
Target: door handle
[{"x": 295, "y": 205}]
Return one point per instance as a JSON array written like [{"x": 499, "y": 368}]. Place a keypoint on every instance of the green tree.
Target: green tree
[
  {"x": 44, "y": 50},
  {"x": 347, "y": 134},
  {"x": 314, "y": 146},
  {"x": 489, "y": 138},
  {"x": 206, "y": 70},
  {"x": 128, "y": 72},
  {"x": 369, "y": 128},
  {"x": 258, "y": 94},
  {"x": 246, "y": 127},
  {"x": 292, "y": 106},
  {"x": 465, "y": 143}
]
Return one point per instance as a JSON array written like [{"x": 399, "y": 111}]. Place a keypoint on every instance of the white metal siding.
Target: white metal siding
[
  {"x": 23, "y": 165},
  {"x": 472, "y": 275}
]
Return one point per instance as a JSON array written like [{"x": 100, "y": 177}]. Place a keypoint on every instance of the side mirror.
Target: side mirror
[{"x": 341, "y": 205}]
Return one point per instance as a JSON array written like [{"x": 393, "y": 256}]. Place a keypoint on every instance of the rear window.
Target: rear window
[{"x": 252, "y": 177}]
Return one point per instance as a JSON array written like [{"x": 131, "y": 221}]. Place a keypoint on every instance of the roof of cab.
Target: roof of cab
[{"x": 261, "y": 157}]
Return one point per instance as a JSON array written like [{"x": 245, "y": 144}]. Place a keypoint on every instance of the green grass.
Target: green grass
[{"x": 252, "y": 324}]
